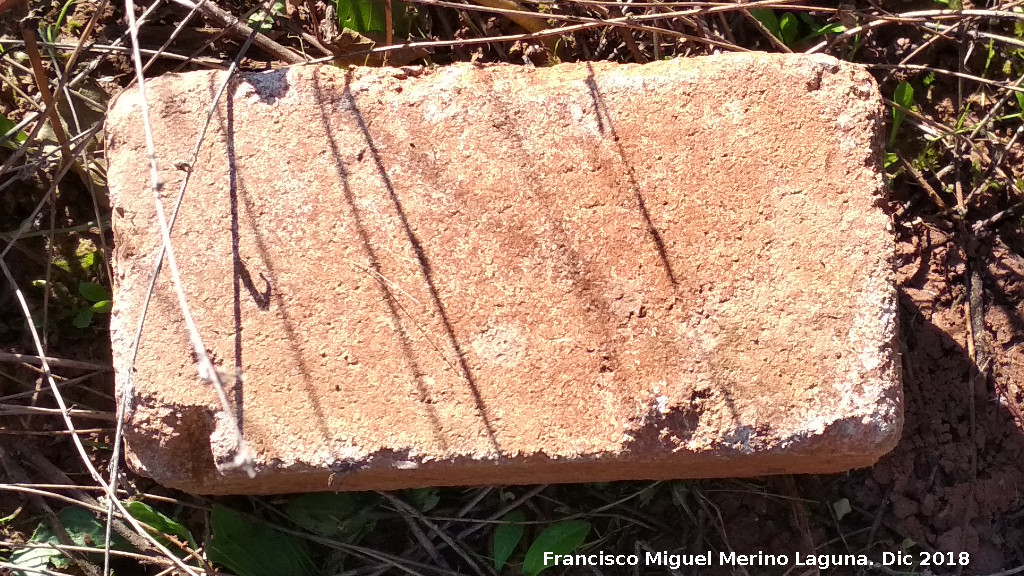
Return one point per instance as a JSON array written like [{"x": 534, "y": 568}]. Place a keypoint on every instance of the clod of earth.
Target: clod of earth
[{"x": 471, "y": 275}]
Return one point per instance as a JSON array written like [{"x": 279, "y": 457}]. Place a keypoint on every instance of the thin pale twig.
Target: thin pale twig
[
  {"x": 58, "y": 362},
  {"x": 18, "y": 410},
  {"x": 915, "y": 17},
  {"x": 104, "y": 49}
]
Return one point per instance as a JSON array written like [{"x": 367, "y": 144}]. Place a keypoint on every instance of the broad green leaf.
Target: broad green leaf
[
  {"x": 83, "y": 529},
  {"x": 93, "y": 292},
  {"x": 363, "y": 16},
  {"x": 904, "y": 94},
  {"x": 1020, "y": 100},
  {"x": 101, "y": 307},
  {"x": 507, "y": 536},
  {"x": 558, "y": 539},
  {"x": 423, "y": 499},
  {"x": 768, "y": 19},
  {"x": 32, "y": 560},
  {"x": 8, "y": 137},
  {"x": 251, "y": 548},
  {"x": 84, "y": 318},
  {"x": 789, "y": 29},
  {"x": 329, "y": 515},
  {"x": 39, "y": 283},
  {"x": 891, "y": 159},
  {"x": 161, "y": 523}
]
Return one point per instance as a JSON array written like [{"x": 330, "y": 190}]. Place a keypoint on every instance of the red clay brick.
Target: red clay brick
[{"x": 473, "y": 275}]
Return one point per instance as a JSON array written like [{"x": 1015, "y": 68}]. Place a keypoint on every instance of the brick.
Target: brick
[{"x": 474, "y": 275}]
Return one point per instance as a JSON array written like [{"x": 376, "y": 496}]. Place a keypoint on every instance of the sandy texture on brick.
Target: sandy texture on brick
[{"x": 503, "y": 275}]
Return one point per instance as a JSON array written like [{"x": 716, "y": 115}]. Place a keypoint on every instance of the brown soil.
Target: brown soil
[{"x": 957, "y": 471}]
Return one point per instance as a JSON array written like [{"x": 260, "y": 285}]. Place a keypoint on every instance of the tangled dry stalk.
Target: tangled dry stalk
[{"x": 955, "y": 163}]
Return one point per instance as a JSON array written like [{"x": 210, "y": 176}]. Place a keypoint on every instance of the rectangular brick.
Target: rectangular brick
[{"x": 472, "y": 274}]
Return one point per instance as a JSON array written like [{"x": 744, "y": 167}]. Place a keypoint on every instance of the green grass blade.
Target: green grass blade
[
  {"x": 8, "y": 137},
  {"x": 904, "y": 96}
]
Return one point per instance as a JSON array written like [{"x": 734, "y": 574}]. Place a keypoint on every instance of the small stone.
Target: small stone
[{"x": 497, "y": 275}]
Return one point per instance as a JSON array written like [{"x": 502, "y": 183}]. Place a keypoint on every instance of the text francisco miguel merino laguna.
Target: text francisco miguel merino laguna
[{"x": 675, "y": 561}]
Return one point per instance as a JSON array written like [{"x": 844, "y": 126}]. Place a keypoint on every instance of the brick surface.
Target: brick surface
[{"x": 474, "y": 275}]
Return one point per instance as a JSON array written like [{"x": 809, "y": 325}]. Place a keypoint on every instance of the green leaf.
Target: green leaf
[
  {"x": 329, "y": 515},
  {"x": 831, "y": 28},
  {"x": 83, "y": 529},
  {"x": 1020, "y": 100},
  {"x": 9, "y": 138},
  {"x": 93, "y": 292},
  {"x": 423, "y": 499},
  {"x": 101, "y": 307},
  {"x": 363, "y": 16},
  {"x": 63, "y": 14},
  {"x": 990, "y": 55},
  {"x": 904, "y": 96},
  {"x": 507, "y": 537},
  {"x": 251, "y": 548},
  {"x": 646, "y": 495},
  {"x": 767, "y": 18},
  {"x": 558, "y": 539},
  {"x": 789, "y": 29},
  {"x": 891, "y": 159},
  {"x": 161, "y": 524},
  {"x": 263, "y": 20},
  {"x": 84, "y": 318},
  {"x": 32, "y": 560},
  {"x": 680, "y": 493}
]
